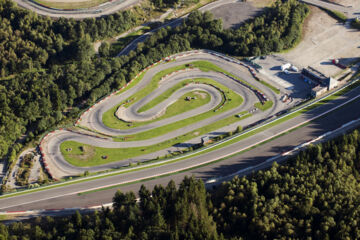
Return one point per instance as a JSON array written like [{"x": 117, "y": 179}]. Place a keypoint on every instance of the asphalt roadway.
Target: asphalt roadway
[
  {"x": 97, "y": 11},
  {"x": 67, "y": 197},
  {"x": 59, "y": 167}
]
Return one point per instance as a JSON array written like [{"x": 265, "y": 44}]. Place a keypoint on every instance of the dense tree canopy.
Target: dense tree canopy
[
  {"x": 315, "y": 195},
  {"x": 29, "y": 41}
]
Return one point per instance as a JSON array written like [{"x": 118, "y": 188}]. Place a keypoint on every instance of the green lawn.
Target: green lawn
[
  {"x": 107, "y": 117},
  {"x": 266, "y": 106},
  {"x": 208, "y": 66},
  {"x": 83, "y": 155}
]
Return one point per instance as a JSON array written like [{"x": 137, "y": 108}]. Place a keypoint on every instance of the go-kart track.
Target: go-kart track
[{"x": 248, "y": 92}]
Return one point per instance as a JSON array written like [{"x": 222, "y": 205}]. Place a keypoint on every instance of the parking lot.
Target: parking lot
[
  {"x": 291, "y": 83},
  {"x": 325, "y": 39},
  {"x": 233, "y": 14}
]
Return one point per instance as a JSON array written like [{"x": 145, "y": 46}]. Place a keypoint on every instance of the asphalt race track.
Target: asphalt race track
[
  {"x": 67, "y": 197},
  {"x": 97, "y": 11},
  {"x": 59, "y": 167}
]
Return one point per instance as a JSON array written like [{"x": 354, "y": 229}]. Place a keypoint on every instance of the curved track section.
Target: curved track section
[
  {"x": 132, "y": 113},
  {"x": 97, "y": 11},
  {"x": 50, "y": 145}
]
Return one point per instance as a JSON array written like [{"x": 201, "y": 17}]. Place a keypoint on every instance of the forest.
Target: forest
[
  {"x": 49, "y": 71},
  {"x": 314, "y": 195},
  {"x": 29, "y": 42}
]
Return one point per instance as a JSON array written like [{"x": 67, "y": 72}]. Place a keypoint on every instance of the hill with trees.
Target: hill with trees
[{"x": 314, "y": 195}]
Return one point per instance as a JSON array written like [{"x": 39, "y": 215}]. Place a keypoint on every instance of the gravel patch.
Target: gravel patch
[{"x": 325, "y": 39}]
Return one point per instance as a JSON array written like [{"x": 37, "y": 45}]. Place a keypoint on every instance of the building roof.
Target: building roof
[{"x": 315, "y": 75}]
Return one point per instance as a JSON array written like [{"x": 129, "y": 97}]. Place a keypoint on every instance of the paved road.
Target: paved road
[
  {"x": 350, "y": 12},
  {"x": 59, "y": 167},
  {"x": 66, "y": 196}
]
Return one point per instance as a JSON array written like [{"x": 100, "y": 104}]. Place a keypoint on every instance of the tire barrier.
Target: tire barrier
[{"x": 43, "y": 159}]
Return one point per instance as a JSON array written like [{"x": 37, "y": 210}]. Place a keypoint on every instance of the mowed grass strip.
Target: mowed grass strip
[
  {"x": 132, "y": 83},
  {"x": 275, "y": 90},
  {"x": 109, "y": 118},
  {"x": 172, "y": 110},
  {"x": 83, "y": 155}
]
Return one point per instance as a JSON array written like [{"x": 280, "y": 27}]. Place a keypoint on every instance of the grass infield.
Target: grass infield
[
  {"x": 83, "y": 155},
  {"x": 110, "y": 120}
]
